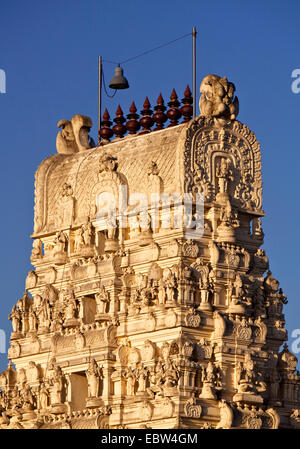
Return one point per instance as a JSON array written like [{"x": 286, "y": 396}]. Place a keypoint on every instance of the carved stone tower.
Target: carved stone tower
[{"x": 132, "y": 317}]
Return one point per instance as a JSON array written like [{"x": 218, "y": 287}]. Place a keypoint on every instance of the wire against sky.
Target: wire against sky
[{"x": 148, "y": 51}]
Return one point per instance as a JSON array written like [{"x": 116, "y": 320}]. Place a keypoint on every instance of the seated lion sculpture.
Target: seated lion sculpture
[
  {"x": 74, "y": 135},
  {"x": 217, "y": 98}
]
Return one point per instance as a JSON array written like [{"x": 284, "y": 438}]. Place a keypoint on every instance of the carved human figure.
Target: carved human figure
[
  {"x": 87, "y": 233},
  {"x": 131, "y": 382},
  {"x": 107, "y": 163},
  {"x": 94, "y": 375},
  {"x": 170, "y": 283},
  {"x": 21, "y": 377},
  {"x": 142, "y": 375},
  {"x": 161, "y": 292},
  {"x": 171, "y": 374},
  {"x": 43, "y": 396},
  {"x": 32, "y": 319},
  {"x": 71, "y": 308},
  {"x": 56, "y": 386},
  {"x": 146, "y": 296},
  {"x": 78, "y": 240},
  {"x": 32, "y": 372},
  {"x": 224, "y": 174},
  {"x": 36, "y": 249},
  {"x": 42, "y": 311},
  {"x": 102, "y": 299},
  {"x": 238, "y": 286},
  {"x": 27, "y": 398},
  {"x": 15, "y": 317},
  {"x": 205, "y": 286},
  {"x": 60, "y": 242}
]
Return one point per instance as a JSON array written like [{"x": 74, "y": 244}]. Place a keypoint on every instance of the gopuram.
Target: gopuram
[{"x": 151, "y": 303}]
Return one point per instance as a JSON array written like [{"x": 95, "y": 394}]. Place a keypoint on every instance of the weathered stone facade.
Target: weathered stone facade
[{"x": 144, "y": 325}]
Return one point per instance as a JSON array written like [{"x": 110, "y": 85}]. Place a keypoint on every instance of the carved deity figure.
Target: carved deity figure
[
  {"x": 102, "y": 299},
  {"x": 32, "y": 319},
  {"x": 15, "y": 317},
  {"x": 171, "y": 374},
  {"x": 60, "y": 242},
  {"x": 211, "y": 378},
  {"x": 217, "y": 99},
  {"x": 87, "y": 233},
  {"x": 71, "y": 308},
  {"x": 161, "y": 292},
  {"x": 142, "y": 374},
  {"x": 131, "y": 381},
  {"x": 27, "y": 398},
  {"x": 248, "y": 378},
  {"x": 224, "y": 174},
  {"x": 57, "y": 381},
  {"x": 205, "y": 286},
  {"x": 107, "y": 163},
  {"x": 42, "y": 311},
  {"x": 238, "y": 286},
  {"x": 43, "y": 396},
  {"x": 78, "y": 240},
  {"x": 94, "y": 375},
  {"x": 170, "y": 284},
  {"x": 36, "y": 249}
]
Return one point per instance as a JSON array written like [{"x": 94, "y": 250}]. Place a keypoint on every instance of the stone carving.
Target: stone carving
[
  {"x": 190, "y": 248},
  {"x": 155, "y": 183},
  {"x": 102, "y": 300},
  {"x": 74, "y": 135},
  {"x": 250, "y": 382},
  {"x": 94, "y": 376},
  {"x": 56, "y": 382},
  {"x": 211, "y": 378},
  {"x": 148, "y": 351},
  {"x": 219, "y": 325},
  {"x": 192, "y": 410},
  {"x": 36, "y": 252},
  {"x": 217, "y": 99},
  {"x": 226, "y": 415},
  {"x": 66, "y": 206},
  {"x": 203, "y": 149},
  {"x": 31, "y": 280},
  {"x": 192, "y": 319},
  {"x": 224, "y": 175}
]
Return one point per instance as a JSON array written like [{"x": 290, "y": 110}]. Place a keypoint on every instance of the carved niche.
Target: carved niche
[
  {"x": 110, "y": 189},
  {"x": 220, "y": 160}
]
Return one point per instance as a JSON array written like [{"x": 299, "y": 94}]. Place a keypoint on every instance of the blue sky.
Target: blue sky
[{"x": 49, "y": 51}]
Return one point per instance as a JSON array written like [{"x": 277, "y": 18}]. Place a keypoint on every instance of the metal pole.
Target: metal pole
[
  {"x": 194, "y": 71},
  {"x": 99, "y": 98}
]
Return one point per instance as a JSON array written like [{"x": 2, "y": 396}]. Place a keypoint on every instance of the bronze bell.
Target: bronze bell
[{"x": 119, "y": 81}]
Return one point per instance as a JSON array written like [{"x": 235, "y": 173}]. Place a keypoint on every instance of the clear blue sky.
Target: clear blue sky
[{"x": 49, "y": 51}]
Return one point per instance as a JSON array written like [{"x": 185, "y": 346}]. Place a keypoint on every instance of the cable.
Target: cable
[
  {"x": 110, "y": 96},
  {"x": 148, "y": 51},
  {"x": 156, "y": 48}
]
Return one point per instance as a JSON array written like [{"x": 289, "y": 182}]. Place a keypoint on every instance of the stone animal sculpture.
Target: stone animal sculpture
[{"x": 74, "y": 135}]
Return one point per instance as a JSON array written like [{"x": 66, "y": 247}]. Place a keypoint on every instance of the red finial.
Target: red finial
[
  {"x": 173, "y": 113},
  {"x": 159, "y": 116},
  {"x": 146, "y": 121},
  {"x": 119, "y": 129},
  {"x": 106, "y": 132},
  {"x": 132, "y": 125},
  {"x": 187, "y": 109}
]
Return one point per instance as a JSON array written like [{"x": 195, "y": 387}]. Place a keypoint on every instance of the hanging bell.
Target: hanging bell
[{"x": 119, "y": 81}]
